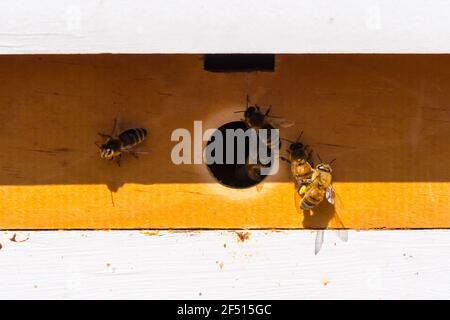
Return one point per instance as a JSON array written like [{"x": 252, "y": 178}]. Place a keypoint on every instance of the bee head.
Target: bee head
[
  {"x": 297, "y": 150},
  {"x": 324, "y": 167},
  {"x": 254, "y": 116},
  {"x": 249, "y": 112},
  {"x": 106, "y": 153}
]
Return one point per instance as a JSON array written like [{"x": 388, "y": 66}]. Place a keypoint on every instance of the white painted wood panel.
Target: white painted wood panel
[
  {"x": 198, "y": 26},
  {"x": 278, "y": 265}
]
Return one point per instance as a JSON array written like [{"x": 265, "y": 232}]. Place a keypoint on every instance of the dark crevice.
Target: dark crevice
[
  {"x": 239, "y": 62},
  {"x": 237, "y": 176}
]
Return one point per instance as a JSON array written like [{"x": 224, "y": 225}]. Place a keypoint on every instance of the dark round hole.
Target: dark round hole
[{"x": 234, "y": 175}]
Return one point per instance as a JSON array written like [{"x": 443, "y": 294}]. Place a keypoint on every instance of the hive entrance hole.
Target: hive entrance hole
[{"x": 233, "y": 175}]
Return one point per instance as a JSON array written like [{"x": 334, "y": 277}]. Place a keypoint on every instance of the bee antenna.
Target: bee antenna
[
  {"x": 240, "y": 111},
  {"x": 268, "y": 110},
  {"x": 287, "y": 140},
  {"x": 320, "y": 159},
  {"x": 298, "y": 139},
  {"x": 98, "y": 146},
  {"x": 332, "y": 161}
]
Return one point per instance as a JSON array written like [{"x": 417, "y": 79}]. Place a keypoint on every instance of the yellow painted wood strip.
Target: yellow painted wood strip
[
  {"x": 384, "y": 117},
  {"x": 214, "y": 206}
]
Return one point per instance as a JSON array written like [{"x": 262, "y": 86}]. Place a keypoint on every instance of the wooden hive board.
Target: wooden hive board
[{"x": 384, "y": 117}]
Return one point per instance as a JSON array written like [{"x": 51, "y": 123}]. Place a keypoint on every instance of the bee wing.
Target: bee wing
[
  {"x": 133, "y": 149},
  {"x": 320, "y": 234},
  {"x": 342, "y": 234},
  {"x": 117, "y": 125},
  {"x": 280, "y": 122},
  {"x": 329, "y": 194},
  {"x": 337, "y": 200}
]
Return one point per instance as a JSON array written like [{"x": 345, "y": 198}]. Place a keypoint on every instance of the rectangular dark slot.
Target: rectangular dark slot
[{"x": 239, "y": 62}]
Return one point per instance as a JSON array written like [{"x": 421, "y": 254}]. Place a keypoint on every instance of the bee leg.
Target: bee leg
[
  {"x": 285, "y": 159},
  {"x": 309, "y": 159},
  {"x": 118, "y": 160}
]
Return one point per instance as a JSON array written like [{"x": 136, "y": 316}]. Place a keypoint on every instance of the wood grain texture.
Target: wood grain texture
[
  {"x": 227, "y": 26},
  {"x": 384, "y": 117},
  {"x": 217, "y": 265}
]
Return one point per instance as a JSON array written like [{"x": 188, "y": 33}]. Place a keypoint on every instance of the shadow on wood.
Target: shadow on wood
[{"x": 384, "y": 117}]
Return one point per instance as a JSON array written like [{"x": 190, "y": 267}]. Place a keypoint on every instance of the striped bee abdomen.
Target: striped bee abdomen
[
  {"x": 132, "y": 137},
  {"x": 311, "y": 199}
]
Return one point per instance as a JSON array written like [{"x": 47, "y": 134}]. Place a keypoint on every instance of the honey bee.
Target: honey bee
[
  {"x": 318, "y": 187},
  {"x": 300, "y": 161},
  {"x": 313, "y": 191},
  {"x": 117, "y": 144},
  {"x": 253, "y": 171},
  {"x": 312, "y": 186},
  {"x": 255, "y": 118}
]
